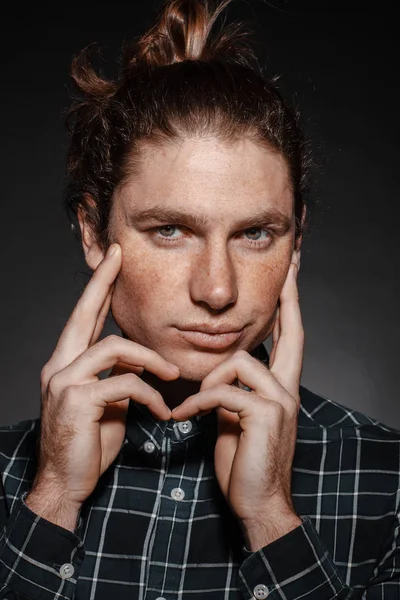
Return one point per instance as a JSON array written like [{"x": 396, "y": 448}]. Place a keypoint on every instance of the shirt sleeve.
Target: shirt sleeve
[
  {"x": 297, "y": 565},
  {"x": 38, "y": 559},
  {"x": 385, "y": 584}
]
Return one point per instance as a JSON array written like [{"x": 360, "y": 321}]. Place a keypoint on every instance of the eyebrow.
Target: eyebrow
[{"x": 268, "y": 216}]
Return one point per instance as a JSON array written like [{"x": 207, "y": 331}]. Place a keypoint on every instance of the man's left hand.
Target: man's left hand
[{"x": 257, "y": 429}]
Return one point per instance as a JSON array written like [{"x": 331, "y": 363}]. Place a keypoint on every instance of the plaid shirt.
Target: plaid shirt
[{"x": 157, "y": 526}]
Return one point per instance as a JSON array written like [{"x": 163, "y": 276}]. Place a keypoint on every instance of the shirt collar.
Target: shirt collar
[{"x": 145, "y": 433}]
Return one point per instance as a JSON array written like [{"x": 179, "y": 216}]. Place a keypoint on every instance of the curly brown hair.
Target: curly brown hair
[{"x": 179, "y": 79}]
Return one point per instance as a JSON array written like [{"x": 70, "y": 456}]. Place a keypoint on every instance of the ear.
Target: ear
[
  {"x": 91, "y": 248},
  {"x": 297, "y": 245}
]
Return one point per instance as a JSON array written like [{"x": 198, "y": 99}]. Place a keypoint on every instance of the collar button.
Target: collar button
[
  {"x": 149, "y": 447},
  {"x": 185, "y": 426}
]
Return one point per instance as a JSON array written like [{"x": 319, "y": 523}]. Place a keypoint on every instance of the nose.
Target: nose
[{"x": 213, "y": 280}]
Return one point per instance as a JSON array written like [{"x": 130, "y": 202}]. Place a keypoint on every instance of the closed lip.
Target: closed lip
[
  {"x": 211, "y": 330},
  {"x": 214, "y": 340}
]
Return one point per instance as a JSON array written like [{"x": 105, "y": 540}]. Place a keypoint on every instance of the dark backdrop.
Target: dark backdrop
[{"x": 339, "y": 63}]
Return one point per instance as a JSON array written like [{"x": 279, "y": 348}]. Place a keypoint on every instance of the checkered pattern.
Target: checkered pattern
[{"x": 137, "y": 539}]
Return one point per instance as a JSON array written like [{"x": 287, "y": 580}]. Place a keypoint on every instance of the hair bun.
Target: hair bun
[
  {"x": 176, "y": 81},
  {"x": 182, "y": 32},
  {"x": 87, "y": 79}
]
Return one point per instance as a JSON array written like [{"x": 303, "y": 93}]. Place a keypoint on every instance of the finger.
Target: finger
[
  {"x": 112, "y": 427},
  {"x": 288, "y": 356},
  {"x": 275, "y": 338},
  {"x": 107, "y": 353},
  {"x": 108, "y": 391},
  {"x": 250, "y": 371},
  {"x": 81, "y": 326},
  {"x": 231, "y": 435},
  {"x": 102, "y": 317},
  {"x": 246, "y": 405},
  {"x": 228, "y": 397},
  {"x": 226, "y": 420},
  {"x": 120, "y": 368}
]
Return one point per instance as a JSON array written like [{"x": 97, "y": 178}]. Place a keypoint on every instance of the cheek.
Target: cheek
[
  {"x": 142, "y": 287},
  {"x": 264, "y": 281},
  {"x": 263, "y": 291}
]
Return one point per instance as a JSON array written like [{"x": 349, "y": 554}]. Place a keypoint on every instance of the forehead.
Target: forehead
[{"x": 209, "y": 175}]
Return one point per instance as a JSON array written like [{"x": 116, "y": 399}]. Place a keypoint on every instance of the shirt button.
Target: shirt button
[
  {"x": 160, "y": 598},
  {"x": 185, "y": 426},
  {"x": 149, "y": 446},
  {"x": 66, "y": 571},
  {"x": 177, "y": 494},
  {"x": 260, "y": 591}
]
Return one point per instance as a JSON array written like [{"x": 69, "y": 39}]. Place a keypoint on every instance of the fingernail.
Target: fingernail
[{"x": 111, "y": 250}]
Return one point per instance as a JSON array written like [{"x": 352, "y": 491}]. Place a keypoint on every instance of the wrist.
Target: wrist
[
  {"x": 262, "y": 531},
  {"x": 51, "y": 504}
]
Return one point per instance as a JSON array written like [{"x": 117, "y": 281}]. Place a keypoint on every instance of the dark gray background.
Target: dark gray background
[{"x": 339, "y": 63}]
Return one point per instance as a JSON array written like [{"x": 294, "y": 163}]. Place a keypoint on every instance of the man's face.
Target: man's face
[{"x": 204, "y": 258}]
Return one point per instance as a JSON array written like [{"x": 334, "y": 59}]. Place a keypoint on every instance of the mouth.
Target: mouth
[{"x": 205, "y": 339}]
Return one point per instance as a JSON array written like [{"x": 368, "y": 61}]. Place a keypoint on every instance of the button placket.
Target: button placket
[{"x": 174, "y": 503}]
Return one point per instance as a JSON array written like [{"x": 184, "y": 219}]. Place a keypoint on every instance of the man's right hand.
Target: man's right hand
[{"x": 82, "y": 417}]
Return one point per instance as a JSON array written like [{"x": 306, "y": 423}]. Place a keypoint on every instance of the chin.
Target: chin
[{"x": 195, "y": 365}]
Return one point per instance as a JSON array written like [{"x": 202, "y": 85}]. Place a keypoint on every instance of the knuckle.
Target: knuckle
[
  {"x": 112, "y": 340},
  {"x": 54, "y": 385},
  {"x": 224, "y": 390},
  {"x": 293, "y": 408},
  {"x": 70, "y": 395},
  {"x": 114, "y": 345},
  {"x": 130, "y": 378},
  {"x": 45, "y": 376},
  {"x": 108, "y": 344},
  {"x": 274, "y": 410},
  {"x": 240, "y": 355}
]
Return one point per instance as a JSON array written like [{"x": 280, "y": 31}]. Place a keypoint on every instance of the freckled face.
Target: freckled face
[{"x": 196, "y": 252}]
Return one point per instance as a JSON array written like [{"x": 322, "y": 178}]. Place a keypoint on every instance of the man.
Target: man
[{"x": 200, "y": 466}]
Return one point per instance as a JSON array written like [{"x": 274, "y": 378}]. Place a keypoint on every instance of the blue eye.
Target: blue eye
[
  {"x": 167, "y": 228},
  {"x": 256, "y": 232},
  {"x": 258, "y": 237}
]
